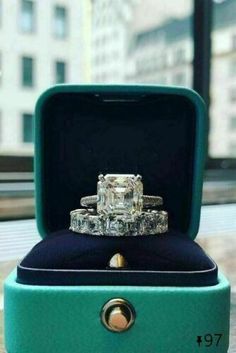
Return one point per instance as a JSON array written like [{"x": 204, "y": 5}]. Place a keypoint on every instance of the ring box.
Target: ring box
[{"x": 53, "y": 301}]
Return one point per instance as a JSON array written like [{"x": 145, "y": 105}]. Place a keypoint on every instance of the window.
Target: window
[
  {"x": 232, "y": 67},
  {"x": 60, "y": 22},
  {"x": 233, "y": 123},
  {"x": 27, "y": 72},
  {"x": 232, "y": 94},
  {"x": 27, "y": 128},
  {"x": 27, "y": 21},
  {"x": 60, "y": 72},
  {"x": 223, "y": 82},
  {"x": 232, "y": 149},
  {"x": 234, "y": 41}
]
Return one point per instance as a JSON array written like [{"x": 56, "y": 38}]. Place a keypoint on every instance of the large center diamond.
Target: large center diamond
[{"x": 120, "y": 194}]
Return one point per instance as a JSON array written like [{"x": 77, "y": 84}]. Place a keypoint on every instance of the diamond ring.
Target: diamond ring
[{"x": 121, "y": 209}]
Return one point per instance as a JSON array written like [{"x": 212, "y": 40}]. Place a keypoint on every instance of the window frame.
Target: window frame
[
  {"x": 57, "y": 64},
  {"x": 202, "y": 30}
]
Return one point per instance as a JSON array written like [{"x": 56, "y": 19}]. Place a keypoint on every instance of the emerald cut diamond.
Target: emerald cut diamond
[
  {"x": 78, "y": 220},
  {"x": 117, "y": 225},
  {"x": 148, "y": 223},
  {"x": 122, "y": 209},
  {"x": 120, "y": 194},
  {"x": 95, "y": 225}
]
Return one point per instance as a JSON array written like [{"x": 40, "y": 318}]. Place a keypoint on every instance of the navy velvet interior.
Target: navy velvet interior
[
  {"x": 68, "y": 258},
  {"x": 83, "y": 135}
]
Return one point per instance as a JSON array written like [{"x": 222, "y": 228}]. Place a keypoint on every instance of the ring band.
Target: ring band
[
  {"x": 147, "y": 223},
  {"x": 148, "y": 201}
]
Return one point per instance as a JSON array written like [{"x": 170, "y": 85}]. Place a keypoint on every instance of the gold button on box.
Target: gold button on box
[{"x": 118, "y": 315}]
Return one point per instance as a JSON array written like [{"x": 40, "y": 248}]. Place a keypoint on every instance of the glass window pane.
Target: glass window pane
[
  {"x": 27, "y": 128},
  {"x": 60, "y": 72},
  {"x": 27, "y": 16},
  {"x": 222, "y": 139},
  {"x": 27, "y": 72},
  {"x": 109, "y": 41},
  {"x": 60, "y": 21},
  {"x": 154, "y": 44}
]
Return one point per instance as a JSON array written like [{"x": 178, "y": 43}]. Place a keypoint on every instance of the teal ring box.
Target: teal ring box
[{"x": 160, "y": 133}]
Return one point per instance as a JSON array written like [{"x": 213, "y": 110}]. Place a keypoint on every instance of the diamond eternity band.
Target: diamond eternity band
[{"x": 150, "y": 222}]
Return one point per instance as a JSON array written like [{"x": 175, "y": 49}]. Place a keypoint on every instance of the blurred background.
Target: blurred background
[
  {"x": 189, "y": 43},
  {"x": 180, "y": 42}
]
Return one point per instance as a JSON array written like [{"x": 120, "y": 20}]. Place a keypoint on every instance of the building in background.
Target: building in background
[
  {"x": 121, "y": 38},
  {"x": 223, "y": 81},
  {"x": 104, "y": 41},
  {"x": 151, "y": 42},
  {"x": 163, "y": 54},
  {"x": 161, "y": 50},
  {"x": 41, "y": 43},
  {"x": 110, "y": 39}
]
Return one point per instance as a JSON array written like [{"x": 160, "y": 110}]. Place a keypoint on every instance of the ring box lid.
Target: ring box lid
[{"x": 84, "y": 130}]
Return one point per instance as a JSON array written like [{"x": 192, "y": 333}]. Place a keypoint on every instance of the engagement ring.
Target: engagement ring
[{"x": 121, "y": 209}]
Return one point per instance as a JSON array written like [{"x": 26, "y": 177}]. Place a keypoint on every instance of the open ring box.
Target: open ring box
[{"x": 53, "y": 301}]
